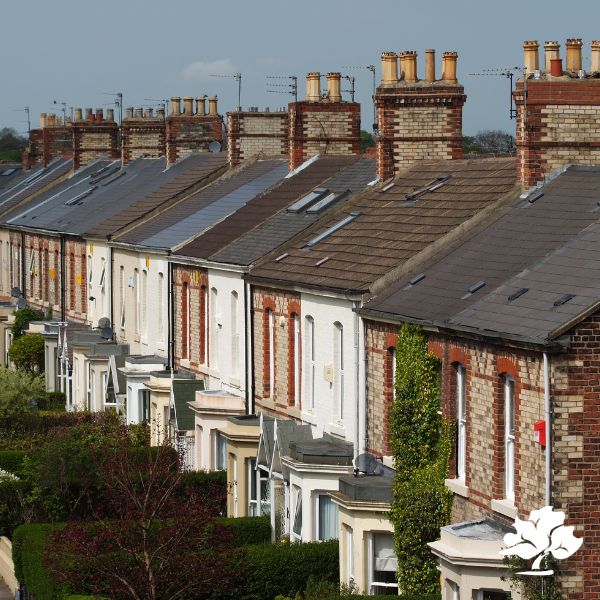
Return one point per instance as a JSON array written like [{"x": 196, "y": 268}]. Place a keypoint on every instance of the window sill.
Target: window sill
[
  {"x": 185, "y": 363},
  {"x": 309, "y": 417},
  {"x": 458, "y": 487},
  {"x": 337, "y": 429},
  {"x": 504, "y": 507}
]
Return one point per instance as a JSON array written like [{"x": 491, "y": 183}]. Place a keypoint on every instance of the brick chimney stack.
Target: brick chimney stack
[
  {"x": 322, "y": 125},
  {"x": 191, "y": 131},
  {"x": 417, "y": 119},
  {"x": 142, "y": 134},
  {"x": 558, "y": 122},
  {"x": 53, "y": 139},
  {"x": 94, "y": 137}
]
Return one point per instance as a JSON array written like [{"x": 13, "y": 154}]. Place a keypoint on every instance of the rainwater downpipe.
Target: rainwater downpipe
[{"x": 548, "y": 417}]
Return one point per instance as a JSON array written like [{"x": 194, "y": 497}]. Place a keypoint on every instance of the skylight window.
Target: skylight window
[
  {"x": 325, "y": 203},
  {"x": 8, "y": 172},
  {"x": 104, "y": 173},
  {"x": 517, "y": 294},
  {"x": 307, "y": 200},
  {"x": 331, "y": 230},
  {"x": 114, "y": 178},
  {"x": 564, "y": 299}
]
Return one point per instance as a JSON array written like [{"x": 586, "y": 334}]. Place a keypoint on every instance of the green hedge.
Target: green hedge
[
  {"x": 269, "y": 570},
  {"x": 12, "y": 460},
  {"x": 28, "y": 545},
  {"x": 248, "y": 531},
  {"x": 11, "y": 505}
]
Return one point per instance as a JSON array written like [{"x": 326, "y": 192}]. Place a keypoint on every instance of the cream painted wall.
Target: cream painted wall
[
  {"x": 5, "y": 284},
  {"x": 98, "y": 256},
  {"x": 145, "y": 335}
]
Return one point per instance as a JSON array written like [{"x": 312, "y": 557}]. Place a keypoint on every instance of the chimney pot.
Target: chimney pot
[
  {"x": 313, "y": 86},
  {"x": 110, "y": 114},
  {"x": 409, "y": 61},
  {"x": 175, "y": 105},
  {"x": 188, "y": 106},
  {"x": 574, "y": 54},
  {"x": 150, "y": 113},
  {"x": 389, "y": 67},
  {"x": 77, "y": 114},
  {"x": 556, "y": 69},
  {"x": 531, "y": 56},
  {"x": 139, "y": 113},
  {"x": 551, "y": 50},
  {"x": 99, "y": 114},
  {"x": 51, "y": 120},
  {"x": 449, "y": 67},
  {"x": 430, "y": 65},
  {"x": 595, "y": 64},
  {"x": 334, "y": 89},
  {"x": 212, "y": 106},
  {"x": 43, "y": 120},
  {"x": 89, "y": 115},
  {"x": 160, "y": 113},
  {"x": 201, "y": 106},
  {"x": 129, "y": 112}
]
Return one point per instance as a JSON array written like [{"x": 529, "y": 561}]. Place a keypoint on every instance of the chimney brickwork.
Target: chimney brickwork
[
  {"x": 253, "y": 132},
  {"x": 558, "y": 122},
  {"x": 322, "y": 125},
  {"x": 94, "y": 137},
  {"x": 142, "y": 134},
  {"x": 52, "y": 140},
  {"x": 417, "y": 119},
  {"x": 190, "y": 131}
]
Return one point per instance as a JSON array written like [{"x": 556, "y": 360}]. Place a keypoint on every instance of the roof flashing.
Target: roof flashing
[{"x": 331, "y": 230}]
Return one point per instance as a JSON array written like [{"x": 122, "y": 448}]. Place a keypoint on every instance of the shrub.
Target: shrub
[
  {"x": 269, "y": 570},
  {"x": 213, "y": 483},
  {"x": 51, "y": 401},
  {"x": 12, "y": 460},
  {"x": 11, "y": 503},
  {"x": 247, "y": 531},
  {"x": 23, "y": 316},
  {"x": 27, "y": 353},
  {"x": 18, "y": 389},
  {"x": 29, "y": 542}
]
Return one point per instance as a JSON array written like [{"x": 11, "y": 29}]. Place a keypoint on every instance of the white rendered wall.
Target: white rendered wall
[{"x": 98, "y": 254}]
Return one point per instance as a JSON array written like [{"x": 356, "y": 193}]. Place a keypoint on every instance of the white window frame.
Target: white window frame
[
  {"x": 32, "y": 262},
  {"x": 235, "y": 486},
  {"x": 90, "y": 270},
  {"x": 213, "y": 337},
  {"x": 161, "y": 318},
  {"x": 296, "y": 510},
  {"x": 205, "y": 325},
  {"x": 509, "y": 438},
  {"x": 102, "y": 280},
  {"x": 122, "y": 294},
  {"x": 186, "y": 355},
  {"x": 136, "y": 291},
  {"x": 371, "y": 564},
  {"x": 253, "y": 490},
  {"x": 461, "y": 422},
  {"x": 350, "y": 553},
  {"x": 318, "y": 496},
  {"x": 218, "y": 451},
  {"x": 104, "y": 385},
  {"x": 271, "y": 342},
  {"x": 88, "y": 387},
  {"x": 144, "y": 305},
  {"x": 309, "y": 352},
  {"x": 296, "y": 326},
  {"x": 338, "y": 369}
]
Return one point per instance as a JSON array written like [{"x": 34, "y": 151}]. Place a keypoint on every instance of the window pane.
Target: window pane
[
  {"x": 297, "y": 528},
  {"x": 328, "y": 518}
]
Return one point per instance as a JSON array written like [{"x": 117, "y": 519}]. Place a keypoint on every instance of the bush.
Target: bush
[
  {"x": 18, "y": 390},
  {"x": 29, "y": 542},
  {"x": 269, "y": 570},
  {"x": 246, "y": 531},
  {"x": 12, "y": 461},
  {"x": 11, "y": 503},
  {"x": 27, "y": 353},
  {"x": 23, "y": 316},
  {"x": 51, "y": 401},
  {"x": 213, "y": 483}
]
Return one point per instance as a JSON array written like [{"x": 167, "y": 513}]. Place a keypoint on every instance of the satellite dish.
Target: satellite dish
[
  {"x": 107, "y": 333},
  {"x": 103, "y": 323},
  {"x": 16, "y": 292},
  {"x": 214, "y": 146},
  {"x": 21, "y": 303},
  {"x": 367, "y": 464}
]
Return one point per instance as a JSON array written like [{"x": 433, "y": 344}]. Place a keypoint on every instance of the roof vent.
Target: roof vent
[
  {"x": 535, "y": 196},
  {"x": 564, "y": 299},
  {"x": 517, "y": 294},
  {"x": 387, "y": 187},
  {"x": 326, "y": 202},
  {"x": 437, "y": 183},
  {"x": 474, "y": 288},
  {"x": 331, "y": 230}
]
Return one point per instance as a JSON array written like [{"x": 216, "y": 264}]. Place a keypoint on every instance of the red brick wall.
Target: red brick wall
[
  {"x": 284, "y": 304},
  {"x": 76, "y": 275},
  {"x": 417, "y": 123},
  {"x": 191, "y": 133},
  {"x": 323, "y": 127},
  {"x": 559, "y": 127},
  {"x": 197, "y": 282}
]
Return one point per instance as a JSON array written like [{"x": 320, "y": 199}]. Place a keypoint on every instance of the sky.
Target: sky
[{"x": 79, "y": 51}]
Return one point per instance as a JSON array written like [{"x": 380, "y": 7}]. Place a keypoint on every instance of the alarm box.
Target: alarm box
[{"x": 539, "y": 433}]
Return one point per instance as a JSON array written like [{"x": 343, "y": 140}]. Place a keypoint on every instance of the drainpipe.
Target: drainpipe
[
  {"x": 548, "y": 417},
  {"x": 358, "y": 403},
  {"x": 171, "y": 317},
  {"x": 251, "y": 349},
  {"x": 23, "y": 273},
  {"x": 111, "y": 280},
  {"x": 247, "y": 347},
  {"x": 63, "y": 283}
]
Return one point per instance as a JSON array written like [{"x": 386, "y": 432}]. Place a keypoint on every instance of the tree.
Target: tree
[
  {"x": 18, "y": 392},
  {"x": 23, "y": 316},
  {"x": 11, "y": 144},
  {"x": 28, "y": 353},
  {"x": 489, "y": 141},
  {"x": 366, "y": 140},
  {"x": 149, "y": 541},
  {"x": 421, "y": 444}
]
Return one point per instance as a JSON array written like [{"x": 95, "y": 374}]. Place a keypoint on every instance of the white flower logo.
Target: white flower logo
[{"x": 542, "y": 535}]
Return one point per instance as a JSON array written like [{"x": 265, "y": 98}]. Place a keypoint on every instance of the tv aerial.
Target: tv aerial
[
  {"x": 238, "y": 78},
  {"x": 509, "y": 73},
  {"x": 370, "y": 68},
  {"x": 290, "y": 88},
  {"x": 118, "y": 102}
]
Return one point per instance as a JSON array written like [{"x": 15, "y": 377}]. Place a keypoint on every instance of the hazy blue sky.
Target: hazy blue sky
[{"x": 74, "y": 50}]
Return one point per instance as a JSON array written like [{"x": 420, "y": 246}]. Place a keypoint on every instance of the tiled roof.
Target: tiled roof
[
  {"x": 532, "y": 256},
  {"x": 391, "y": 226},
  {"x": 207, "y": 207},
  {"x": 32, "y": 183},
  {"x": 283, "y": 226}
]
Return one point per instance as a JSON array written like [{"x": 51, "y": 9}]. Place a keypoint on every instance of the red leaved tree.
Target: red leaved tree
[{"x": 153, "y": 538}]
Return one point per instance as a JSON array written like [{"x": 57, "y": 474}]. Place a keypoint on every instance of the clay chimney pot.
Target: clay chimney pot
[
  {"x": 449, "y": 67},
  {"x": 551, "y": 50},
  {"x": 531, "y": 56},
  {"x": 389, "y": 67},
  {"x": 188, "y": 106},
  {"x": 77, "y": 114},
  {"x": 201, "y": 105},
  {"x": 334, "y": 89},
  {"x": 43, "y": 120},
  {"x": 430, "y": 65},
  {"x": 313, "y": 86},
  {"x": 212, "y": 106},
  {"x": 574, "y": 62},
  {"x": 409, "y": 60},
  {"x": 595, "y": 64},
  {"x": 175, "y": 105}
]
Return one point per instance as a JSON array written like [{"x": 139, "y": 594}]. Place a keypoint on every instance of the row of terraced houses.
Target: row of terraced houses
[{"x": 238, "y": 281}]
